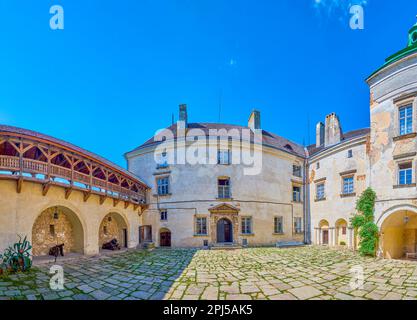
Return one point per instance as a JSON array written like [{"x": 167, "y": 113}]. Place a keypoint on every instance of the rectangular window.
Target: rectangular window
[
  {"x": 406, "y": 119},
  {"x": 278, "y": 225},
  {"x": 350, "y": 154},
  {"x": 320, "y": 191},
  {"x": 52, "y": 230},
  {"x": 224, "y": 189},
  {"x": 405, "y": 174},
  {"x": 164, "y": 215},
  {"x": 163, "y": 186},
  {"x": 298, "y": 225},
  {"x": 317, "y": 165},
  {"x": 344, "y": 231},
  {"x": 348, "y": 185},
  {"x": 296, "y": 194},
  {"x": 246, "y": 225},
  {"x": 296, "y": 171},
  {"x": 223, "y": 157},
  {"x": 201, "y": 226}
]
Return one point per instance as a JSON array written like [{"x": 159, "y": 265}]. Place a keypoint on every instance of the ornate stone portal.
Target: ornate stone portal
[{"x": 224, "y": 211}]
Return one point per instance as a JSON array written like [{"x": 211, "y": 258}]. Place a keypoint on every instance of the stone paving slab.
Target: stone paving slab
[{"x": 315, "y": 273}]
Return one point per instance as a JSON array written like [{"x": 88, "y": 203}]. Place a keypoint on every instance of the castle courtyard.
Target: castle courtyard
[{"x": 189, "y": 274}]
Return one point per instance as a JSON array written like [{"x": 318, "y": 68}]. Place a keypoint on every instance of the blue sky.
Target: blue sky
[{"x": 119, "y": 69}]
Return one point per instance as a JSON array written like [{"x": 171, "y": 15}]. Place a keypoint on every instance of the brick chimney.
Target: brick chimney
[
  {"x": 254, "y": 121},
  {"x": 333, "y": 130},
  {"x": 319, "y": 134}
]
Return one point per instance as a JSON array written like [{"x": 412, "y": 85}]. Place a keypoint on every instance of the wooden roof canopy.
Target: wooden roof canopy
[{"x": 26, "y": 154}]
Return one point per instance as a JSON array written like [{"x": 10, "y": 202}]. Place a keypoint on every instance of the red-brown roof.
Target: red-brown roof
[{"x": 14, "y": 131}]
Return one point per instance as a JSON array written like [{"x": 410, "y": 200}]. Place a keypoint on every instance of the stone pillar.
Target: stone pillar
[
  {"x": 350, "y": 238},
  {"x": 332, "y": 237},
  {"x": 316, "y": 236}
]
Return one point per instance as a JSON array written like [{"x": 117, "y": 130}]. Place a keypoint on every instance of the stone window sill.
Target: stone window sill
[
  {"x": 405, "y": 136},
  {"x": 321, "y": 199},
  {"x": 404, "y": 186},
  {"x": 278, "y": 234},
  {"x": 201, "y": 235},
  {"x": 347, "y": 195},
  {"x": 162, "y": 195},
  {"x": 247, "y": 234},
  {"x": 224, "y": 199}
]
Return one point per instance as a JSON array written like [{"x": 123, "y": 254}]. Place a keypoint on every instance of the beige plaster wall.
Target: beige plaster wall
[{"x": 19, "y": 211}]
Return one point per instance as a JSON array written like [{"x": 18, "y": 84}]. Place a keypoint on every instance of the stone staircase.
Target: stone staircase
[
  {"x": 289, "y": 244},
  {"x": 225, "y": 246}
]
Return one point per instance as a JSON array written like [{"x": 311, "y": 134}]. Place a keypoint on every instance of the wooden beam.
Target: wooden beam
[
  {"x": 87, "y": 195},
  {"x": 19, "y": 185},
  {"x": 45, "y": 188},
  {"x": 115, "y": 202},
  {"x": 68, "y": 192},
  {"x": 102, "y": 199},
  {"x": 135, "y": 207},
  {"x": 127, "y": 204}
]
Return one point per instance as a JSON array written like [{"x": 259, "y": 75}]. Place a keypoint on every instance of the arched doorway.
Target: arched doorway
[
  {"x": 113, "y": 226},
  {"x": 224, "y": 231},
  {"x": 324, "y": 232},
  {"x": 165, "y": 238},
  {"x": 341, "y": 232},
  {"x": 399, "y": 235},
  {"x": 56, "y": 226}
]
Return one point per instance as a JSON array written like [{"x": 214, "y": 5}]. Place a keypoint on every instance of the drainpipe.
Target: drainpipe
[{"x": 307, "y": 223}]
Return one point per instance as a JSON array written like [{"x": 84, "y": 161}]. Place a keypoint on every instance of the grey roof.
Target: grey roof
[
  {"x": 313, "y": 150},
  {"x": 268, "y": 138}
]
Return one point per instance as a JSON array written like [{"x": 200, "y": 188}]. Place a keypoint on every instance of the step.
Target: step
[{"x": 289, "y": 244}]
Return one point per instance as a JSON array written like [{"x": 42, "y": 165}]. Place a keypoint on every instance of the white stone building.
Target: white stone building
[{"x": 299, "y": 194}]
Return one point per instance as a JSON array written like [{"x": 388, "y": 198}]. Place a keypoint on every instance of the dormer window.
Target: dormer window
[
  {"x": 288, "y": 147},
  {"x": 223, "y": 157},
  {"x": 296, "y": 170}
]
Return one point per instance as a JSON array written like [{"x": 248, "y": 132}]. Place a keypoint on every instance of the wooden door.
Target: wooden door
[
  {"x": 325, "y": 236},
  {"x": 165, "y": 239}
]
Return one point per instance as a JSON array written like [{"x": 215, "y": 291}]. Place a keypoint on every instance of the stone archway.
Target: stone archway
[
  {"x": 324, "y": 232},
  {"x": 341, "y": 232},
  {"x": 113, "y": 226},
  {"x": 55, "y": 226},
  {"x": 398, "y": 238}
]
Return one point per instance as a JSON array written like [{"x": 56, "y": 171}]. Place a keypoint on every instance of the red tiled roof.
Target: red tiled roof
[{"x": 48, "y": 139}]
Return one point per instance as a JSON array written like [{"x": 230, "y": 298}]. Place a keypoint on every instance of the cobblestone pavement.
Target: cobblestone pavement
[{"x": 258, "y": 273}]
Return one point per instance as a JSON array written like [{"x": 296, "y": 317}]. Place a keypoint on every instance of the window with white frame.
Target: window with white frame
[
  {"x": 348, "y": 185},
  {"x": 320, "y": 188},
  {"x": 296, "y": 194},
  {"x": 296, "y": 170},
  {"x": 162, "y": 160},
  {"x": 223, "y": 157},
  {"x": 278, "y": 225},
  {"x": 298, "y": 225},
  {"x": 223, "y": 185},
  {"x": 246, "y": 225},
  {"x": 405, "y": 173},
  {"x": 164, "y": 215},
  {"x": 201, "y": 226},
  {"x": 406, "y": 119},
  {"x": 163, "y": 186}
]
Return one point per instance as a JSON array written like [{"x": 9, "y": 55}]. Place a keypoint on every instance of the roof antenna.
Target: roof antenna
[{"x": 220, "y": 104}]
